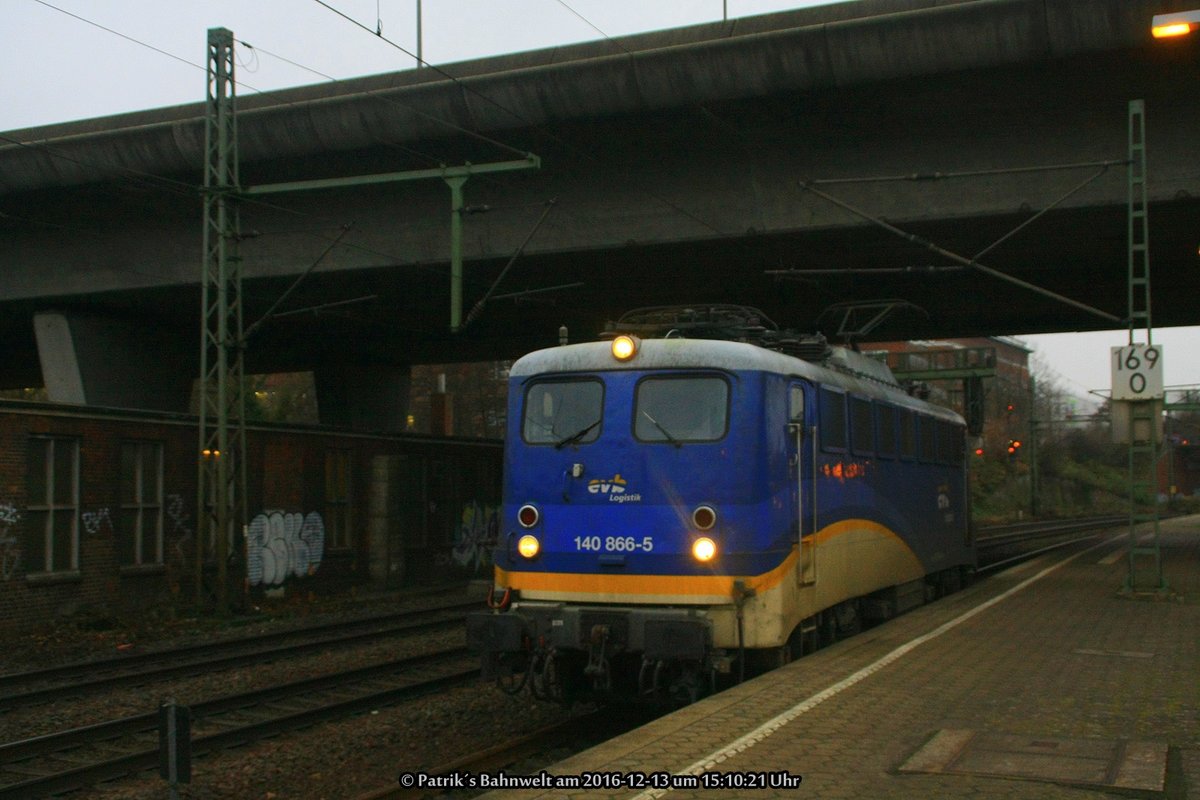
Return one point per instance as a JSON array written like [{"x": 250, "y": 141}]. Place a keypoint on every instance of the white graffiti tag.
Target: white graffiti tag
[
  {"x": 10, "y": 548},
  {"x": 475, "y": 537},
  {"x": 180, "y": 530},
  {"x": 280, "y": 545},
  {"x": 93, "y": 521}
]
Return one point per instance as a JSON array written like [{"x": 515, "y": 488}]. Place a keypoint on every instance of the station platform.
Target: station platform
[{"x": 1041, "y": 682}]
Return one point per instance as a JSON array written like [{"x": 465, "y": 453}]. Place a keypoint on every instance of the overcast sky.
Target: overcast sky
[{"x": 57, "y": 67}]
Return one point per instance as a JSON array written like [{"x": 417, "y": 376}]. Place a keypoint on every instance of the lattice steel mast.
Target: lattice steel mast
[
  {"x": 221, "y": 494},
  {"x": 1144, "y": 417}
]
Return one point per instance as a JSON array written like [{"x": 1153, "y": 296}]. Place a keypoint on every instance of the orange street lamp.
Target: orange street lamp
[{"x": 1180, "y": 23}]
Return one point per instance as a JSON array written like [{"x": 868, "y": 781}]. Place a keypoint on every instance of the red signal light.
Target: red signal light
[{"x": 978, "y": 451}]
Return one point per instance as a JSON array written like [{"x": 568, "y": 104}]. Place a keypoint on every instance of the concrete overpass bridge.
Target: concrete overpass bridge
[{"x": 676, "y": 162}]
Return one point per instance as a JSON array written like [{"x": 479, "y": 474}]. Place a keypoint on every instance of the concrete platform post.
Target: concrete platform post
[
  {"x": 385, "y": 543},
  {"x": 119, "y": 363}
]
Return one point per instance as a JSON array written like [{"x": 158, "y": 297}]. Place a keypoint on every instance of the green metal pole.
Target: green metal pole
[
  {"x": 1143, "y": 453},
  {"x": 221, "y": 486},
  {"x": 454, "y": 177},
  {"x": 1034, "y": 488},
  {"x": 456, "y": 257}
]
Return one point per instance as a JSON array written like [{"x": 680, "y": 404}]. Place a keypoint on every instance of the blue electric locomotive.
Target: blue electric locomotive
[{"x": 726, "y": 492}]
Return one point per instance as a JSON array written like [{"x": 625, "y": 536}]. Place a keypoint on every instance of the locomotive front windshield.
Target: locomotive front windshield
[
  {"x": 563, "y": 412},
  {"x": 681, "y": 409}
]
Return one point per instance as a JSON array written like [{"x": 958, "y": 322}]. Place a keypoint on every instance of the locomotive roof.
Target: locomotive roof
[{"x": 679, "y": 353}]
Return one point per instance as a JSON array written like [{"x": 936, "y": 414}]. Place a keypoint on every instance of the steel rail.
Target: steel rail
[
  {"x": 1008, "y": 534},
  {"x": 1005, "y": 536},
  {"x": 207, "y": 714},
  {"x": 142, "y": 667}
]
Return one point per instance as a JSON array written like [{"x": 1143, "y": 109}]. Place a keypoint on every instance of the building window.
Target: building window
[
  {"x": 140, "y": 525},
  {"x": 337, "y": 498},
  {"x": 53, "y": 508}
]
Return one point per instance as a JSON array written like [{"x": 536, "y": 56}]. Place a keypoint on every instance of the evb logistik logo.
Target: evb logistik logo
[{"x": 616, "y": 488}]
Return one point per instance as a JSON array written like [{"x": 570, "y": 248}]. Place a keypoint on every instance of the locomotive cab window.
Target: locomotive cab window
[
  {"x": 563, "y": 412},
  {"x": 833, "y": 420},
  {"x": 681, "y": 409},
  {"x": 796, "y": 405}
]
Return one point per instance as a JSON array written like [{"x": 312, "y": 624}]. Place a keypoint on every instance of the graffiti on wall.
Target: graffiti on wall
[
  {"x": 476, "y": 536},
  {"x": 10, "y": 547},
  {"x": 180, "y": 531},
  {"x": 94, "y": 521},
  {"x": 281, "y": 545}
]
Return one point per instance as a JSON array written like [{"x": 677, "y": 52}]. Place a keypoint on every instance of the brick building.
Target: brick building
[
  {"x": 98, "y": 509},
  {"x": 1007, "y": 397}
]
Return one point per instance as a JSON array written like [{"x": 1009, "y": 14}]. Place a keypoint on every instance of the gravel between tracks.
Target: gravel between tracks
[
  {"x": 332, "y": 760},
  {"x": 343, "y": 759}
]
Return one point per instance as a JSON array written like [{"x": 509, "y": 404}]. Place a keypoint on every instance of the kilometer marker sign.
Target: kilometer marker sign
[{"x": 1137, "y": 372}]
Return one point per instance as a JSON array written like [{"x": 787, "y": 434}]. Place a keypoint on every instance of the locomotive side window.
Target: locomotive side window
[
  {"x": 945, "y": 443},
  {"x": 833, "y": 420},
  {"x": 887, "y": 431},
  {"x": 681, "y": 409},
  {"x": 926, "y": 439},
  {"x": 908, "y": 434},
  {"x": 955, "y": 444},
  {"x": 563, "y": 412},
  {"x": 862, "y": 426}
]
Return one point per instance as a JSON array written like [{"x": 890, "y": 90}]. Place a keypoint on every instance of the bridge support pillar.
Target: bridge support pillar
[
  {"x": 369, "y": 397},
  {"x": 120, "y": 363}
]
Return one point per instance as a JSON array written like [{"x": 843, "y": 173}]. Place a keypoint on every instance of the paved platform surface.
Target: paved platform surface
[{"x": 1044, "y": 668}]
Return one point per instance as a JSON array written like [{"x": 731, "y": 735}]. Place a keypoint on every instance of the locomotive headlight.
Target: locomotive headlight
[
  {"x": 703, "y": 549},
  {"x": 528, "y": 545},
  {"x": 528, "y": 516},
  {"x": 624, "y": 347},
  {"x": 704, "y": 517}
]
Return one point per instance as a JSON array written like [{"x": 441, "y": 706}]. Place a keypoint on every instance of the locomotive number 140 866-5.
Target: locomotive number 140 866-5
[{"x": 614, "y": 544}]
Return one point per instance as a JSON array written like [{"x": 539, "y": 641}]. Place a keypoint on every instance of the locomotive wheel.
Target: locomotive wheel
[
  {"x": 512, "y": 672},
  {"x": 804, "y": 639},
  {"x": 847, "y": 619}
]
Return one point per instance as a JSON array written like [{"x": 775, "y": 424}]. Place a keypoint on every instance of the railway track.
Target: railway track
[
  {"x": 1000, "y": 545},
  {"x": 70, "y": 680},
  {"x": 80, "y": 757}
]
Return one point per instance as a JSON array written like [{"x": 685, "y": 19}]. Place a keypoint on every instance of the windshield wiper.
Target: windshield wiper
[
  {"x": 576, "y": 436},
  {"x": 665, "y": 432}
]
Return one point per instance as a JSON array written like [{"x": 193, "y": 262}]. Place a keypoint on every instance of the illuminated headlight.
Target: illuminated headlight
[
  {"x": 528, "y": 545},
  {"x": 624, "y": 347},
  {"x": 704, "y": 548}
]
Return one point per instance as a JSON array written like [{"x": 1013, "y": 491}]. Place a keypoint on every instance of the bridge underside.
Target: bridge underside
[
  {"x": 682, "y": 201},
  {"x": 400, "y": 314}
]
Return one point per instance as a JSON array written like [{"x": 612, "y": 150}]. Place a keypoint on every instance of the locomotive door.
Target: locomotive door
[{"x": 802, "y": 459}]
